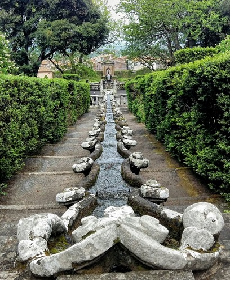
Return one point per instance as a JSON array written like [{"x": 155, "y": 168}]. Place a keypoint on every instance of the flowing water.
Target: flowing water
[{"x": 110, "y": 189}]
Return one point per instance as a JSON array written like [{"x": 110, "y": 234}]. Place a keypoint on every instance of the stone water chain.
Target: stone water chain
[
  {"x": 143, "y": 236},
  {"x": 110, "y": 188}
]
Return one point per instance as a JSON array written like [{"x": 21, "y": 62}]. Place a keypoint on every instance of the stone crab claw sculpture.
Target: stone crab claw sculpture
[
  {"x": 128, "y": 142},
  {"x": 94, "y": 133},
  {"x": 137, "y": 162},
  {"x": 70, "y": 194},
  {"x": 97, "y": 124},
  {"x": 83, "y": 165},
  {"x": 142, "y": 236},
  {"x": 153, "y": 191},
  {"x": 117, "y": 112},
  {"x": 89, "y": 144},
  {"x": 126, "y": 131}
]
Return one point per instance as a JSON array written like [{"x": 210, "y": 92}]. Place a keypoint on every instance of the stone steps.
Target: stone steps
[
  {"x": 56, "y": 160},
  {"x": 179, "y": 204},
  {"x": 28, "y": 189},
  {"x": 54, "y": 164},
  {"x": 43, "y": 207},
  {"x": 11, "y": 214}
]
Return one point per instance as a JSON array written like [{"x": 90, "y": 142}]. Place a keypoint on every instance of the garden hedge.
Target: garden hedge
[
  {"x": 191, "y": 54},
  {"x": 187, "y": 107},
  {"x": 187, "y": 55},
  {"x": 33, "y": 112},
  {"x": 75, "y": 77}
]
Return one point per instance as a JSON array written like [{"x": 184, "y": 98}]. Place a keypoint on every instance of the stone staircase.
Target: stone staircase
[{"x": 33, "y": 191}]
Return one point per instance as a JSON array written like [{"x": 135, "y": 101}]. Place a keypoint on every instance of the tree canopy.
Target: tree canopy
[
  {"x": 40, "y": 29},
  {"x": 156, "y": 29},
  {"x": 6, "y": 64}
]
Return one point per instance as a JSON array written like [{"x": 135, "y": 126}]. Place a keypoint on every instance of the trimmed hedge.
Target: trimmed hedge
[
  {"x": 187, "y": 107},
  {"x": 187, "y": 55},
  {"x": 191, "y": 54},
  {"x": 75, "y": 77},
  {"x": 35, "y": 111}
]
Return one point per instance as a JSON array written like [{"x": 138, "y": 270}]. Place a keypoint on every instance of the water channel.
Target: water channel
[{"x": 110, "y": 189}]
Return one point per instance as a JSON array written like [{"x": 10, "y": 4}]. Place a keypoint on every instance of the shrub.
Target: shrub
[
  {"x": 87, "y": 73},
  {"x": 224, "y": 46},
  {"x": 187, "y": 108},
  {"x": 75, "y": 77},
  {"x": 34, "y": 111},
  {"x": 191, "y": 54},
  {"x": 197, "y": 53},
  {"x": 7, "y": 66}
]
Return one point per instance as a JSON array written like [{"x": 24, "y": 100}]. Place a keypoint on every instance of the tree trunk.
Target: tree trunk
[
  {"x": 56, "y": 66},
  {"x": 176, "y": 41},
  {"x": 170, "y": 50},
  {"x": 81, "y": 58}
]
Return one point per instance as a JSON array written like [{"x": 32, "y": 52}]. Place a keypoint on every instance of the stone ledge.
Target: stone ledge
[
  {"x": 134, "y": 275},
  {"x": 97, "y": 152},
  {"x": 122, "y": 150},
  {"x": 131, "y": 178},
  {"x": 30, "y": 207}
]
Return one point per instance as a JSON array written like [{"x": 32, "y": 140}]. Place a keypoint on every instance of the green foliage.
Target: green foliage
[
  {"x": 191, "y": 54},
  {"x": 7, "y": 66},
  {"x": 75, "y": 77},
  {"x": 82, "y": 73},
  {"x": 197, "y": 53},
  {"x": 87, "y": 73},
  {"x": 188, "y": 108},
  {"x": 138, "y": 109},
  {"x": 224, "y": 45},
  {"x": 127, "y": 74},
  {"x": 33, "y": 112},
  {"x": 158, "y": 30},
  {"x": 39, "y": 29},
  {"x": 2, "y": 187}
]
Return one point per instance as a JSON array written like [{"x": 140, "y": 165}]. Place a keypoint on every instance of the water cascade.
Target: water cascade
[
  {"x": 114, "y": 225},
  {"x": 110, "y": 188}
]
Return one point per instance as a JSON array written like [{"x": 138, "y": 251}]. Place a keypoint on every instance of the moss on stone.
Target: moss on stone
[
  {"x": 117, "y": 240},
  {"x": 57, "y": 244},
  {"x": 88, "y": 234},
  {"x": 215, "y": 248}
]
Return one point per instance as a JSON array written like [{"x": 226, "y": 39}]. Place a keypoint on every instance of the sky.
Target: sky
[{"x": 112, "y": 4}]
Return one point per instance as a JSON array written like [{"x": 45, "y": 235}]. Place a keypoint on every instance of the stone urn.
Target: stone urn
[{"x": 128, "y": 142}]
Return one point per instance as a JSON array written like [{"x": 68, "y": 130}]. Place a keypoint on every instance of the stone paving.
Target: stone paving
[{"x": 34, "y": 189}]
